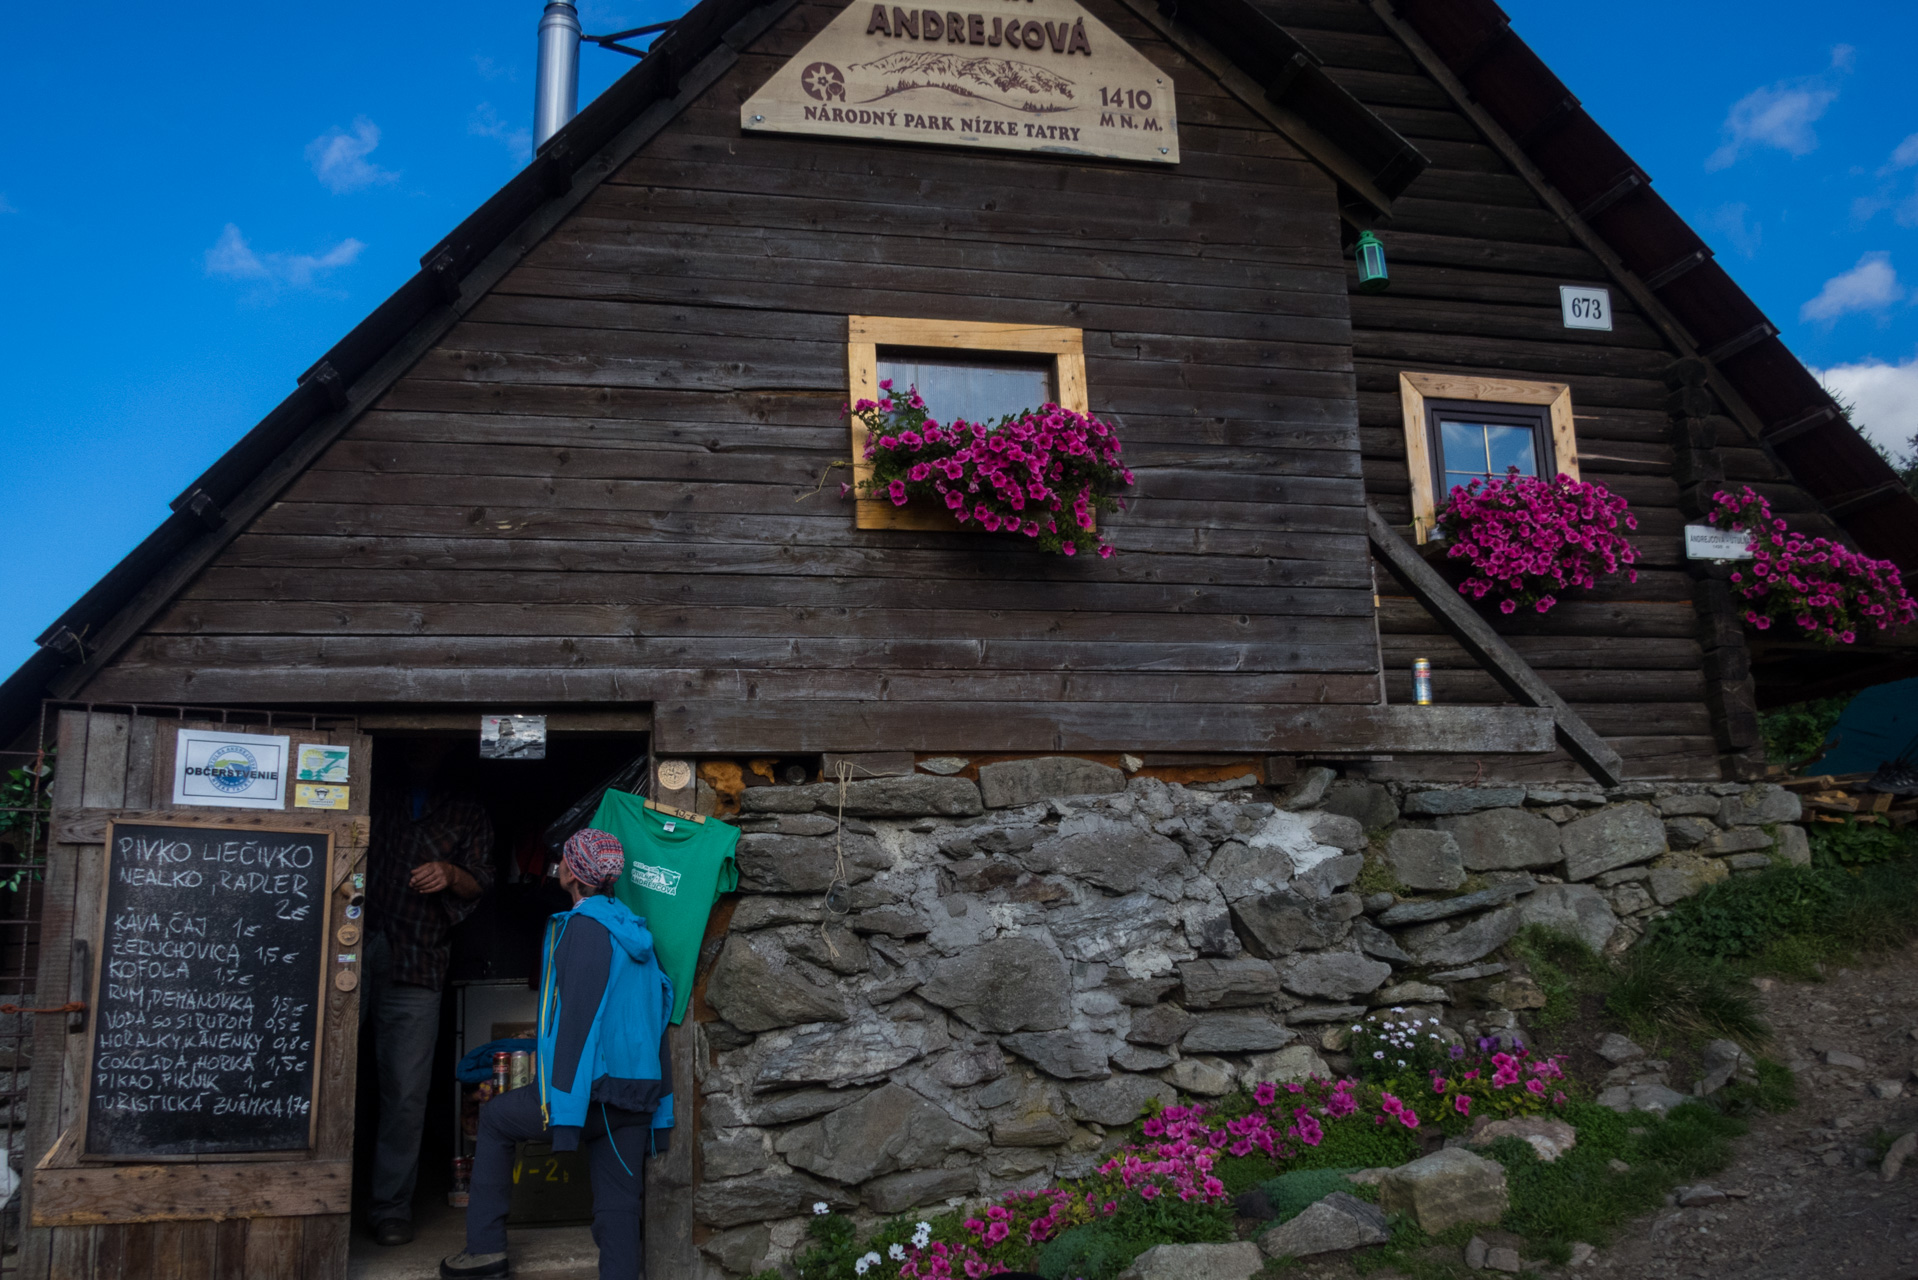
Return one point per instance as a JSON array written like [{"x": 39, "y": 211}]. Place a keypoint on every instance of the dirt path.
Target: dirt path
[{"x": 1814, "y": 1202}]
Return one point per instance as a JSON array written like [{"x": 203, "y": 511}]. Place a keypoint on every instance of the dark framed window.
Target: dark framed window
[
  {"x": 1477, "y": 440},
  {"x": 978, "y": 389}
]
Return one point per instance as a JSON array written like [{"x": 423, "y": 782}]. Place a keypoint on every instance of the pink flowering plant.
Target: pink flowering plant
[
  {"x": 1826, "y": 590},
  {"x": 1526, "y": 539},
  {"x": 1424, "y": 1078},
  {"x": 1043, "y": 474}
]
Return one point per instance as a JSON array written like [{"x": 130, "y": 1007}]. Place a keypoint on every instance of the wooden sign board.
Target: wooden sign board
[
  {"x": 209, "y": 992},
  {"x": 1026, "y": 75}
]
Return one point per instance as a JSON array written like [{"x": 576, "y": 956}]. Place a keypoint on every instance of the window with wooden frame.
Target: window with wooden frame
[
  {"x": 1458, "y": 429},
  {"x": 963, "y": 369}
]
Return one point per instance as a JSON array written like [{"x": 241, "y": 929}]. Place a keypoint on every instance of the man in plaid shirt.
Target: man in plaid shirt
[{"x": 431, "y": 858}]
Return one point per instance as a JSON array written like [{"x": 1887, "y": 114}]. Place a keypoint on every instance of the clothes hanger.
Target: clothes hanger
[{"x": 671, "y": 812}]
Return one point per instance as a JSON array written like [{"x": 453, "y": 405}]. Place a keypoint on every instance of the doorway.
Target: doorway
[{"x": 490, "y": 989}]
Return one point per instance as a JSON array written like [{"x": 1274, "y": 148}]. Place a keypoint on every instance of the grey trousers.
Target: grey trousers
[
  {"x": 616, "y": 1160},
  {"x": 406, "y": 1025}
]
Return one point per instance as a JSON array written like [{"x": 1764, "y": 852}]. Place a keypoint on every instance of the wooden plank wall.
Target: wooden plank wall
[
  {"x": 1476, "y": 261},
  {"x": 596, "y": 487}
]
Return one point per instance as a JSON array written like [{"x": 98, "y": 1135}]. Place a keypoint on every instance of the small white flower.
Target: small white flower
[
  {"x": 1398, "y": 1009},
  {"x": 897, "y": 1253},
  {"x": 1401, "y": 1062},
  {"x": 1378, "y": 1053},
  {"x": 1357, "y": 1027},
  {"x": 861, "y": 1267},
  {"x": 819, "y": 1206}
]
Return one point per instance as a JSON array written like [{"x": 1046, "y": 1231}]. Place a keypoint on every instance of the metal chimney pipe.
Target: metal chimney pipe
[{"x": 556, "y": 93}]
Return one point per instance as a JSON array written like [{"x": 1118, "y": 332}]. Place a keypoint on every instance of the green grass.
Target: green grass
[
  {"x": 1655, "y": 991},
  {"x": 1101, "y": 1250},
  {"x": 1792, "y": 920}
]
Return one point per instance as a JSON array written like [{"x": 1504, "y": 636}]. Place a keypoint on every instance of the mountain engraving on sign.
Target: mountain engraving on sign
[{"x": 1057, "y": 81}]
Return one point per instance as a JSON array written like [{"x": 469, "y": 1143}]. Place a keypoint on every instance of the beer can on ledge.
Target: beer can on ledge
[
  {"x": 1422, "y": 681},
  {"x": 502, "y": 1070},
  {"x": 522, "y": 1072}
]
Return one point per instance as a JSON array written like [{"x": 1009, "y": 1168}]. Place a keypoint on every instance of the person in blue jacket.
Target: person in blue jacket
[{"x": 603, "y": 1078}]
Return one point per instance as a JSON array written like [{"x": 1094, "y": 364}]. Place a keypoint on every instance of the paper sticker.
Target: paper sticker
[
  {"x": 348, "y": 958},
  {"x": 229, "y": 770},
  {"x": 311, "y": 795},
  {"x": 321, "y": 763},
  {"x": 353, "y": 913},
  {"x": 1702, "y": 542},
  {"x": 512, "y": 737}
]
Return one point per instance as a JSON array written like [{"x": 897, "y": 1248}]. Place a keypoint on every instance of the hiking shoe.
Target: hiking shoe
[
  {"x": 471, "y": 1266},
  {"x": 393, "y": 1231}
]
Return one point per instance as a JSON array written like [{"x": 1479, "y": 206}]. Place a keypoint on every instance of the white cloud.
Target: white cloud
[
  {"x": 486, "y": 123},
  {"x": 1903, "y": 156},
  {"x": 1729, "y": 221},
  {"x": 339, "y": 158},
  {"x": 1779, "y": 115},
  {"x": 1872, "y": 285},
  {"x": 232, "y": 258},
  {"x": 491, "y": 70},
  {"x": 1884, "y": 399}
]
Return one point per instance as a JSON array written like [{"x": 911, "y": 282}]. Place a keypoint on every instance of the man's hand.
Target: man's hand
[{"x": 432, "y": 877}]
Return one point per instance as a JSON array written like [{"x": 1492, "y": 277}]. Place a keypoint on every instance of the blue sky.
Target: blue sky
[{"x": 193, "y": 209}]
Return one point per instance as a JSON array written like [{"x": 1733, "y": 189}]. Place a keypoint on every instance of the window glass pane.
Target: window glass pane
[
  {"x": 1511, "y": 447},
  {"x": 978, "y": 392},
  {"x": 1464, "y": 445}
]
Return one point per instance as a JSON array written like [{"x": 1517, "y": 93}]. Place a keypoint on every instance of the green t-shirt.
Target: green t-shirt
[{"x": 675, "y": 871}]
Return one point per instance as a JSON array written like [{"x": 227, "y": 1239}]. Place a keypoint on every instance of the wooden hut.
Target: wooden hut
[{"x": 582, "y": 465}]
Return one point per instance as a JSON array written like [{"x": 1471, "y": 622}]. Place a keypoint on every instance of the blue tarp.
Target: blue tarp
[{"x": 1879, "y": 724}]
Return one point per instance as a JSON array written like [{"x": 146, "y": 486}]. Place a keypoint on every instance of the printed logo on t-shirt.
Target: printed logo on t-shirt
[{"x": 658, "y": 879}]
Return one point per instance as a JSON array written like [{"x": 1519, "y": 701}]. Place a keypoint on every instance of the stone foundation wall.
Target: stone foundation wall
[{"x": 1023, "y": 962}]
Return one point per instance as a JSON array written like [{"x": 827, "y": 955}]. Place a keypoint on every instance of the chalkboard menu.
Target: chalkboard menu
[{"x": 207, "y": 991}]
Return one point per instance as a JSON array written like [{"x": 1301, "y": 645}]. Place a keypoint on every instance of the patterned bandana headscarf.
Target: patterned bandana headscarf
[{"x": 594, "y": 857}]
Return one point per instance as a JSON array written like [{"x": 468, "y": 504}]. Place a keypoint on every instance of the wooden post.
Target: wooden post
[
  {"x": 1475, "y": 634},
  {"x": 669, "y": 1178}
]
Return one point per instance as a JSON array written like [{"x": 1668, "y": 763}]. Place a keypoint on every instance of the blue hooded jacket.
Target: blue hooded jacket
[{"x": 604, "y": 1002}]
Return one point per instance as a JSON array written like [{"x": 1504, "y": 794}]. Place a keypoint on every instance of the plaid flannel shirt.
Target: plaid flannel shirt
[{"x": 417, "y": 925}]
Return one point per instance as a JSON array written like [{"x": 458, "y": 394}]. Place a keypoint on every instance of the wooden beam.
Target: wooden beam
[
  {"x": 468, "y": 721},
  {"x": 802, "y": 727},
  {"x": 1445, "y": 604},
  {"x": 91, "y": 1194}
]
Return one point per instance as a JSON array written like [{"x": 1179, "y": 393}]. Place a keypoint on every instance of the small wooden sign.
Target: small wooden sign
[{"x": 1024, "y": 75}]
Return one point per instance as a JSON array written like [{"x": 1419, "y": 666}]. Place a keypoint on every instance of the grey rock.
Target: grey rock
[
  {"x": 830, "y": 946},
  {"x": 1068, "y": 1055},
  {"x": 1106, "y": 930},
  {"x": 791, "y": 824},
  {"x": 1794, "y": 847},
  {"x": 1307, "y": 789},
  {"x": 1099, "y": 850},
  {"x": 1117, "y": 1101},
  {"x": 1428, "y": 860},
  {"x": 1340, "y": 1221},
  {"x": 1330, "y": 876},
  {"x": 1333, "y": 975},
  {"x": 1236, "y": 1031},
  {"x": 1377, "y": 902},
  {"x": 1138, "y": 1057},
  {"x": 1470, "y": 973},
  {"x": 1243, "y": 872},
  {"x": 898, "y": 1192},
  {"x": 1279, "y": 924},
  {"x": 765, "y": 911},
  {"x": 1219, "y": 984},
  {"x": 1621, "y": 876},
  {"x": 780, "y": 799},
  {"x": 1294, "y": 1062},
  {"x": 1765, "y": 802},
  {"x": 1016, "y": 1162},
  {"x": 1204, "y": 1077},
  {"x": 1239, "y": 1260},
  {"x": 1548, "y": 1137},
  {"x": 1462, "y": 800},
  {"x": 965, "y": 1065},
  {"x": 910, "y": 797},
  {"x": 732, "y": 1202},
  {"x": 1208, "y": 924},
  {"x": 1901, "y": 1150},
  {"x": 1446, "y": 1188},
  {"x": 1423, "y": 912},
  {"x": 1749, "y": 861},
  {"x": 1475, "y": 1251},
  {"x": 1411, "y": 993},
  {"x": 734, "y": 1154},
  {"x": 1699, "y": 806},
  {"x": 1580, "y": 797},
  {"x": 1503, "y": 1258},
  {"x": 1163, "y": 1024},
  {"x": 1724, "y": 1061},
  {"x": 945, "y": 766},
  {"x": 1617, "y": 1050},
  {"x": 888, "y": 1130},
  {"x": 1577, "y": 909},
  {"x": 1479, "y": 938},
  {"x": 1367, "y": 803},
  {"x": 1015, "y": 783},
  {"x": 1504, "y": 839},
  {"x": 1007, "y": 984},
  {"x": 1140, "y": 993},
  {"x": 1244, "y": 782},
  {"x": 1377, "y": 943},
  {"x": 842, "y": 1054},
  {"x": 1627, "y": 1098},
  {"x": 1839, "y": 1058},
  {"x": 803, "y": 864},
  {"x": 1689, "y": 832},
  {"x": 757, "y": 986},
  {"x": 740, "y": 1250},
  {"x": 1614, "y": 837},
  {"x": 1629, "y": 899},
  {"x": 1307, "y": 1015},
  {"x": 1887, "y": 1090},
  {"x": 1337, "y": 830},
  {"x": 1736, "y": 840},
  {"x": 784, "y": 1108},
  {"x": 1678, "y": 876}
]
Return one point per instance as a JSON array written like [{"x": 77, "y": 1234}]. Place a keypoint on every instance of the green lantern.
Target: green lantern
[{"x": 1371, "y": 256}]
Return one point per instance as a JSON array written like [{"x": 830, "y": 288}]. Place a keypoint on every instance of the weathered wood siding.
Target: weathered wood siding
[
  {"x": 1476, "y": 260},
  {"x": 601, "y": 485}
]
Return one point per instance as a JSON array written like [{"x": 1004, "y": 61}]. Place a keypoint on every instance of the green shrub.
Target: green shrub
[
  {"x": 1101, "y": 1250},
  {"x": 1790, "y": 919},
  {"x": 1658, "y": 988},
  {"x": 1290, "y": 1193},
  {"x": 1859, "y": 844},
  {"x": 1776, "y": 1090},
  {"x": 1798, "y": 732}
]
